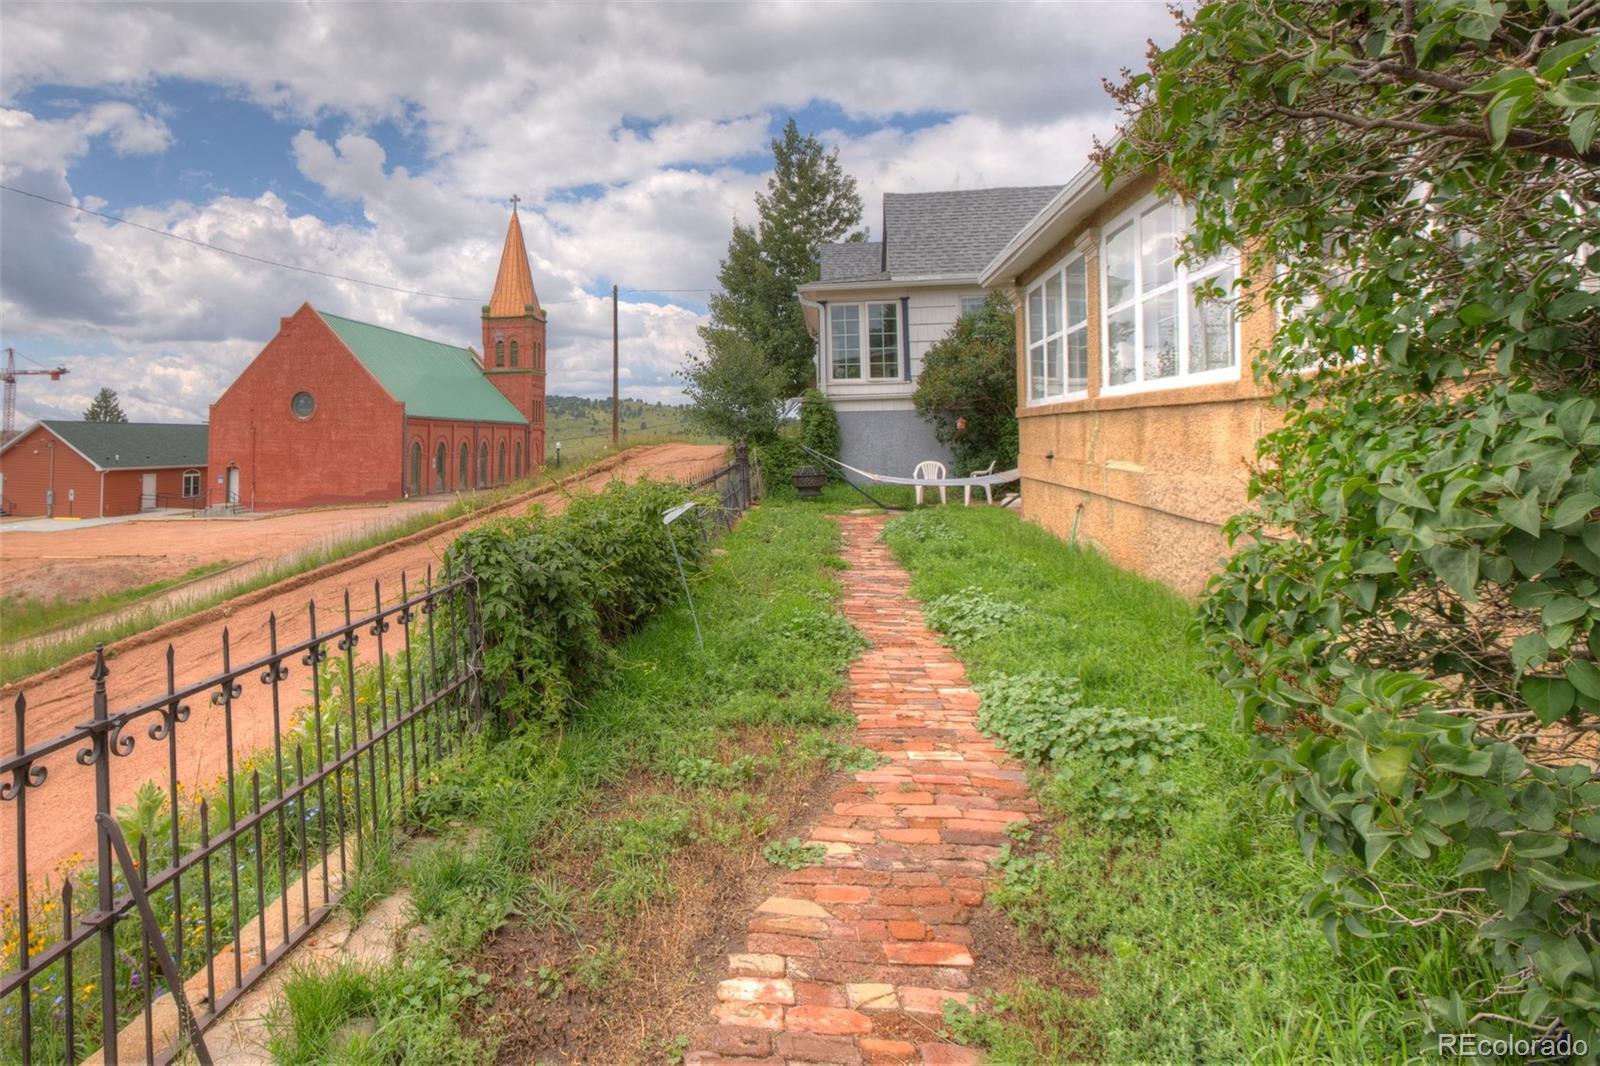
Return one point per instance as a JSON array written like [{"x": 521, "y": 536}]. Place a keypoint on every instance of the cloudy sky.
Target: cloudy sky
[{"x": 382, "y": 142}]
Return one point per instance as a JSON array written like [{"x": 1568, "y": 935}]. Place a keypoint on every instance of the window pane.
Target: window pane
[
  {"x": 1052, "y": 304},
  {"x": 1036, "y": 316},
  {"x": 1078, "y": 359},
  {"x": 1052, "y": 367},
  {"x": 1160, "y": 336},
  {"x": 1211, "y": 325},
  {"x": 1119, "y": 328},
  {"x": 1036, "y": 372},
  {"x": 846, "y": 323},
  {"x": 1077, "y": 293},
  {"x": 1119, "y": 265},
  {"x": 883, "y": 340},
  {"x": 971, "y": 305},
  {"x": 1158, "y": 232}
]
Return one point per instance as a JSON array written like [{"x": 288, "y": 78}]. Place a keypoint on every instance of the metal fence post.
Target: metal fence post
[{"x": 99, "y": 753}]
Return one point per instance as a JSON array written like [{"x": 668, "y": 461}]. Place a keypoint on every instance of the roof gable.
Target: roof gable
[
  {"x": 432, "y": 379},
  {"x": 955, "y": 232},
  {"x": 131, "y": 445}
]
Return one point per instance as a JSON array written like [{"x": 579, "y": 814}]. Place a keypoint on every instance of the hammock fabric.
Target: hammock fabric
[{"x": 976, "y": 481}]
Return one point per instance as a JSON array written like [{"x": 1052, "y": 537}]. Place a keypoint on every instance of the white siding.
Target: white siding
[{"x": 930, "y": 313}]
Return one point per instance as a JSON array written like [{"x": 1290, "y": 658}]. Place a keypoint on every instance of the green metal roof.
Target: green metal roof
[
  {"x": 124, "y": 445},
  {"x": 433, "y": 380}
]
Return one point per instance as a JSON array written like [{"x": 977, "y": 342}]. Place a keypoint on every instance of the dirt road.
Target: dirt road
[
  {"x": 72, "y": 563},
  {"x": 60, "y": 812}
]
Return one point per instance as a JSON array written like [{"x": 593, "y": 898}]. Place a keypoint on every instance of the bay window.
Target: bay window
[
  {"x": 1057, "y": 313},
  {"x": 864, "y": 341},
  {"x": 1165, "y": 322}
]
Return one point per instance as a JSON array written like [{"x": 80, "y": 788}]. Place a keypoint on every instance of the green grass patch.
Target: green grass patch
[
  {"x": 572, "y": 828},
  {"x": 22, "y": 617},
  {"x": 1173, "y": 887}
]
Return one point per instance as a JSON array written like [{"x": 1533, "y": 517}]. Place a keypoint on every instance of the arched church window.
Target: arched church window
[
  {"x": 439, "y": 459},
  {"x": 499, "y": 353},
  {"x": 517, "y": 466},
  {"x": 416, "y": 467},
  {"x": 461, "y": 479},
  {"x": 514, "y": 359},
  {"x": 483, "y": 464},
  {"x": 500, "y": 477}
]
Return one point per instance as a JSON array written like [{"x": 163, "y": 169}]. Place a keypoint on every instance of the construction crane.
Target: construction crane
[{"x": 9, "y": 375}]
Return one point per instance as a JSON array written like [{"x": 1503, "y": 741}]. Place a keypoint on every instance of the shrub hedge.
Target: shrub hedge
[{"x": 557, "y": 592}]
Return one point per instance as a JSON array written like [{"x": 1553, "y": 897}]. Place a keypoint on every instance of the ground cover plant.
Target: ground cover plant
[
  {"x": 25, "y": 617},
  {"x": 566, "y": 870},
  {"x": 1411, "y": 623},
  {"x": 1173, "y": 888}
]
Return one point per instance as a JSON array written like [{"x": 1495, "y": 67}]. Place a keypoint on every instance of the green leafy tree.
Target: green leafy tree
[
  {"x": 104, "y": 408},
  {"x": 819, "y": 426},
  {"x": 968, "y": 387},
  {"x": 1412, "y": 621},
  {"x": 734, "y": 392},
  {"x": 810, "y": 201}
]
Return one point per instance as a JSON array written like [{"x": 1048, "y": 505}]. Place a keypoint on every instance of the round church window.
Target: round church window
[{"x": 303, "y": 404}]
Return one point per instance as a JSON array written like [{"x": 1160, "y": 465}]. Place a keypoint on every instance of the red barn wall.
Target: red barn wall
[
  {"x": 26, "y": 470},
  {"x": 349, "y": 450}
]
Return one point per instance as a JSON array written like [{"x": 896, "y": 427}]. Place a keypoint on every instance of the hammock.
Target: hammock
[{"x": 994, "y": 480}]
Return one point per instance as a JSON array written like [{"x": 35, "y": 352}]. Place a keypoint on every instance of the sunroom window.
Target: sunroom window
[
  {"x": 1058, "y": 333},
  {"x": 1165, "y": 322},
  {"x": 864, "y": 340}
]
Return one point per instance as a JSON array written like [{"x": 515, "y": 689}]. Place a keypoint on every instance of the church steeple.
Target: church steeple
[
  {"x": 513, "y": 337},
  {"x": 513, "y": 287}
]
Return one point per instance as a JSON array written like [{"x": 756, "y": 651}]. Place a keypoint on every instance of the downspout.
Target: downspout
[
  {"x": 405, "y": 450},
  {"x": 102, "y": 493},
  {"x": 822, "y": 333}
]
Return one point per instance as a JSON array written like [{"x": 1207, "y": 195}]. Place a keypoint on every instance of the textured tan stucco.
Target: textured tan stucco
[{"x": 1156, "y": 473}]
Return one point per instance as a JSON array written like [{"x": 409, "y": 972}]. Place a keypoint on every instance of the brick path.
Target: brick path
[{"x": 851, "y": 961}]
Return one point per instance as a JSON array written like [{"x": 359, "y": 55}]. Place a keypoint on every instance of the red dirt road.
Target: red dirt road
[{"x": 60, "y": 811}]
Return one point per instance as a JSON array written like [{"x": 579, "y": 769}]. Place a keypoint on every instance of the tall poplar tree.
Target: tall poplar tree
[{"x": 810, "y": 201}]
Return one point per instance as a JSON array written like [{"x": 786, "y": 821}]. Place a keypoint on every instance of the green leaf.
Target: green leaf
[
  {"x": 1585, "y": 677},
  {"x": 1559, "y": 963},
  {"x": 1521, "y": 512},
  {"x": 1458, "y": 568},
  {"x": 1555, "y": 63},
  {"x": 1529, "y": 649},
  {"x": 1534, "y": 555},
  {"x": 1548, "y": 697},
  {"x": 1563, "y": 609},
  {"x": 1568, "y": 94},
  {"x": 1477, "y": 859},
  {"x": 1574, "y": 509},
  {"x": 1582, "y": 129},
  {"x": 1389, "y": 767}
]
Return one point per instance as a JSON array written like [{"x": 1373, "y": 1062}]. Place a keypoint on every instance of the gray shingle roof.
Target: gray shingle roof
[
  {"x": 853, "y": 261},
  {"x": 955, "y": 232},
  {"x": 124, "y": 445}
]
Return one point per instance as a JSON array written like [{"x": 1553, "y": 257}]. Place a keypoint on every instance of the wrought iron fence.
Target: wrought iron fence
[
  {"x": 736, "y": 486},
  {"x": 227, "y": 879}
]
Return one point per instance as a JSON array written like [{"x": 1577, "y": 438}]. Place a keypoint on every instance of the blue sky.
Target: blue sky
[{"x": 388, "y": 148}]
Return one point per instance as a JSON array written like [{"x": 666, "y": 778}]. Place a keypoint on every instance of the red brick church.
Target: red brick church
[{"x": 339, "y": 411}]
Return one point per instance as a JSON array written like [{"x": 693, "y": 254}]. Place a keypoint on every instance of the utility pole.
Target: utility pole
[{"x": 616, "y": 406}]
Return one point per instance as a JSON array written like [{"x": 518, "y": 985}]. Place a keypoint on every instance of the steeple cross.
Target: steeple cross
[{"x": 515, "y": 200}]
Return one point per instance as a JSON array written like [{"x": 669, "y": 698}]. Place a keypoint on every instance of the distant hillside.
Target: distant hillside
[{"x": 583, "y": 425}]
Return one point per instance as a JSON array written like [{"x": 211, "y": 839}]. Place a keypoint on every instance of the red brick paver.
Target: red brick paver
[{"x": 851, "y": 961}]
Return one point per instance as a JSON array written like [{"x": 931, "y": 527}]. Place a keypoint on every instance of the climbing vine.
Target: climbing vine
[{"x": 1411, "y": 621}]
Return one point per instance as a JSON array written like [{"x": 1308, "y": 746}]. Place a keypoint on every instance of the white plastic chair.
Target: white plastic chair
[
  {"x": 967, "y": 489},
  {"x": 929, "y": 469}
]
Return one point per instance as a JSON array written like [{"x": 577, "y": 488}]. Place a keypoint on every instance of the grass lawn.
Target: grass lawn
[
  {"x": 25, "y": 617},
  {"x": 565, "y": 877},
  {"x": 1188, "y": 919}
]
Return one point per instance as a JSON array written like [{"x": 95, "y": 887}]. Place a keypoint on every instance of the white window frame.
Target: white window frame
[
  {"x": 1057, "y": 274},
  {"x": 1184, "y": 275},
  {"x": 962, "y": 311},
  {"x": 864, "y": 350},
  {"x": 184, "y": 484}
]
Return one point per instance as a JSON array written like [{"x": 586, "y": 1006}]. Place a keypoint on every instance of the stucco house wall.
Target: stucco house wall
[{"x": 1145, "y": 477}]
